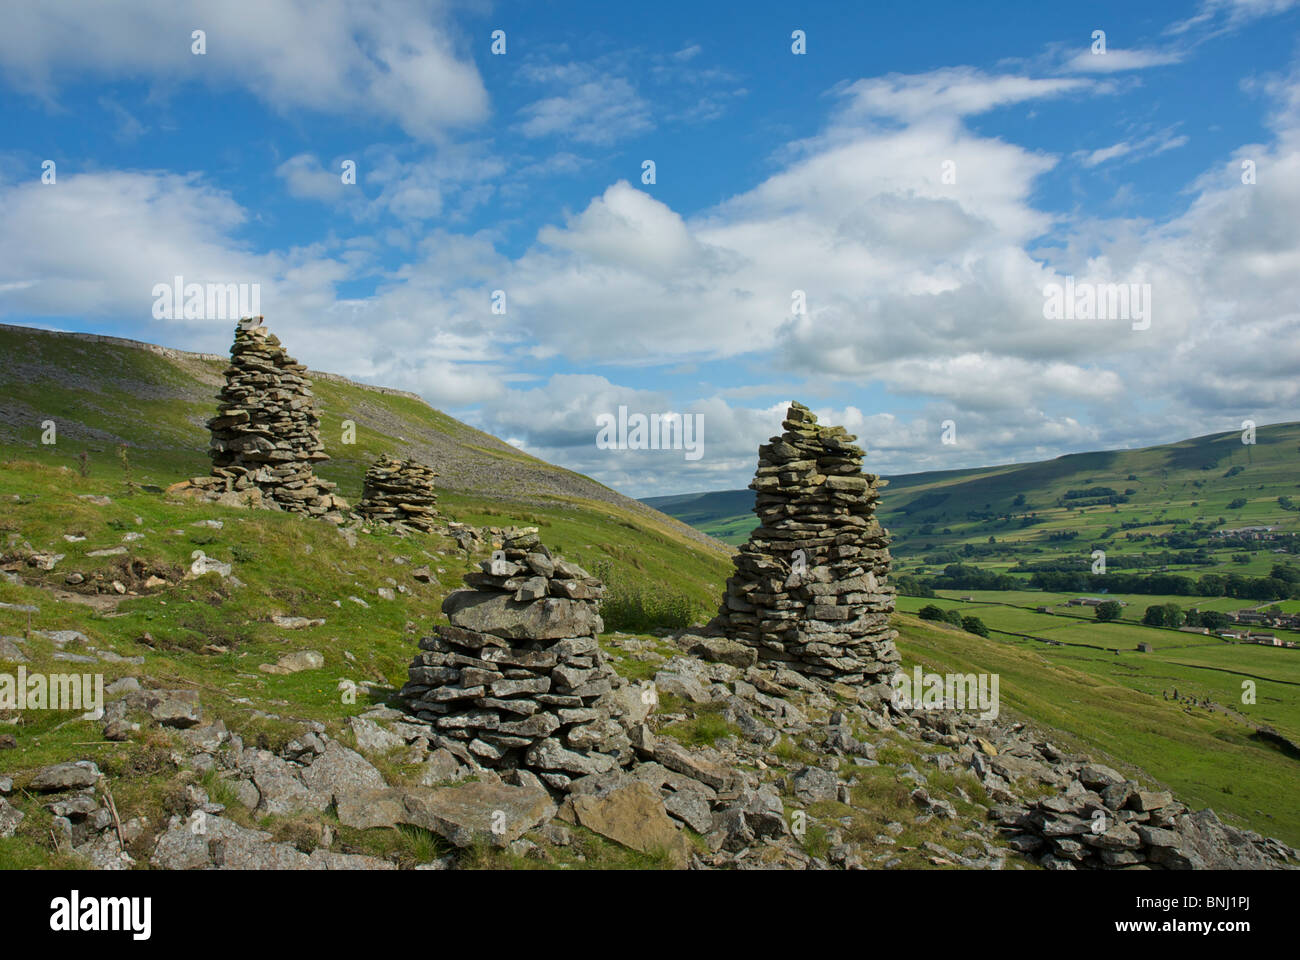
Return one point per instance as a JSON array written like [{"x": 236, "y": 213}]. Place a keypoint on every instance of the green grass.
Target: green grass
[{"x": 1112, "y": 708}]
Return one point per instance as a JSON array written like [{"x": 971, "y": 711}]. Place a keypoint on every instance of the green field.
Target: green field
[{"x": 1197, "y": 665}]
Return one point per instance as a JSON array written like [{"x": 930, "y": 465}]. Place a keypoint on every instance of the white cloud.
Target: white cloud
[
  {"x": 306, "y": 179},
  {"x": 1118, "y": 61},
  {"x": 388, "y": 59},
  {"x": 948, "y": 93},
  {"x": 597, "y": 111}
]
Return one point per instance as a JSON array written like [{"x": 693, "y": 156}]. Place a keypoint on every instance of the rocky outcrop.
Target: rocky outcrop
[
  {"x": 265, "y": 436},
  {"x": 809, "y": 589},
  {"x": 399, "y": 492},
  {"x": 518, "y": 680}
]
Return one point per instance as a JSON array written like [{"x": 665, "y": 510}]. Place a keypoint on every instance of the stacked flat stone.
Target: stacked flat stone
[
  {"x": 266, "y": 434},
  {"x": 518, "y": 680},
  {"x": 399, "y": 492},
  {"x": 809, "y": 587}
]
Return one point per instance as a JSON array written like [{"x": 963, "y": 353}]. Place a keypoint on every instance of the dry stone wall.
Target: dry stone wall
[{"x": 809, "y": 588}]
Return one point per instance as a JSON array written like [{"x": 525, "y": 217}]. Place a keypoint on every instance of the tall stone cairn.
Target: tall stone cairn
[
  {"x": 518, "y": 679},
  {"x": 399, "y": 492},
  {"x": 809, "y": 589},
  {"x": 266, "y": 433}
]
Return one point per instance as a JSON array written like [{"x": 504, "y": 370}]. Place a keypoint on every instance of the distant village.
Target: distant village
[{"x": 1246, "y": 618}]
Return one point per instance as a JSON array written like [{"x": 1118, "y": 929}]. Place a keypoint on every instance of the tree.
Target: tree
[
  {"x": 1019, "y": 501},
  {"x": 1215, "y": 620},
  {"x": 1109, "y": 610},
  {"x": 1174, "y": 616},
  {"x": 953, "y": 616},
  {"x": 1285, "y": 571},
  {"x": 931, "y": 612},
  {"x": 1155, "y": 616},
  {"x": 974, "y": 625}
]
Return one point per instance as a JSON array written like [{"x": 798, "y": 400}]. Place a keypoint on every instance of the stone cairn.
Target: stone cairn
[
  {"x": 517, "y": 680},
  {"x": 809, "y": 589},
  {"x": 265, "y": 436},
  {"x": 399, "y": 492}
]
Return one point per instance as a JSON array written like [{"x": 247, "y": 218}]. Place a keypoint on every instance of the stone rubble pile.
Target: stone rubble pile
[
  {"x": 399, "y": 492},
  {"x": 518, "y": 680},
  {"x": 265, "y": 436},
  {"x": 1093, "y": 817},
  {"x": 809, "y": 589},
  {"x": 1104, "y": 821}
]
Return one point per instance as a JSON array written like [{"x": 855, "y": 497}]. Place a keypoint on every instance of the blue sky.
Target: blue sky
[{"x": 775, "y": 172}]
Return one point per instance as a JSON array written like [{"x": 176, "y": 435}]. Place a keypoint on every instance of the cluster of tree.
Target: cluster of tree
[
  {"x": 1090, "y": 492},
  {"x": 1134, "y": 524},
  {"x": 1278, "y": 585},
  {"x": 1099, "y": 502},
  {"x": 909, "y": 585},
  {"x": 968, "y": 550},
  {"x": 1116, "y": 562},
  {"x": 963, "y": 576},
  {"x": 1172, "y": 615},
  {"x": 970, "y": 624}
]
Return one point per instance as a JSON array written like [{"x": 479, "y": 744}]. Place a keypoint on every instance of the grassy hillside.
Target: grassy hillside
[
  {"x": 1207, "y": 758},
  {"x": 103, "y": 393},
  {"x": 212, "y": 634},
  {"x": 1023, "y": 505}
]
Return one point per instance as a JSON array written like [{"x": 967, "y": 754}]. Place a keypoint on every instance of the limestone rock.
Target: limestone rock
[
  {"x": 65, "y": 776},
  {"x": 633, "y": 815},
  {"x": 496, "y": 812}
]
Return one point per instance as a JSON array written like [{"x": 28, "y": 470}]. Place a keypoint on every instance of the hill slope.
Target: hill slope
[
  {"x": 102, "y": 392},
  {"x": 213, "y": 633},
  {"x": 1188, "y": 480}
]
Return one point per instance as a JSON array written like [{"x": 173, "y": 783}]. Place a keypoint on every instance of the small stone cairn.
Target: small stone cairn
[
  {"x": 517, "y": 680},
  {"x": 399, "y": 492},
  {"x": 809, "y": 589},
  {"x": 265, "y": 436}
]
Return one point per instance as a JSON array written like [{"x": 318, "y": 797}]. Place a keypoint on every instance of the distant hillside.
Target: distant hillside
[{"x": 1083, "y": 493}]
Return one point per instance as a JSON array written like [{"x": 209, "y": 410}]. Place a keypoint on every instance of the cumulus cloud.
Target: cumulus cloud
[
  {"x": 915, "y": 243},
  {"x": 389, "y": 59}
]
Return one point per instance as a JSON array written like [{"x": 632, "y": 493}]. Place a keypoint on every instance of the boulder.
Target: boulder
[{"x": 633, "y": 816}]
